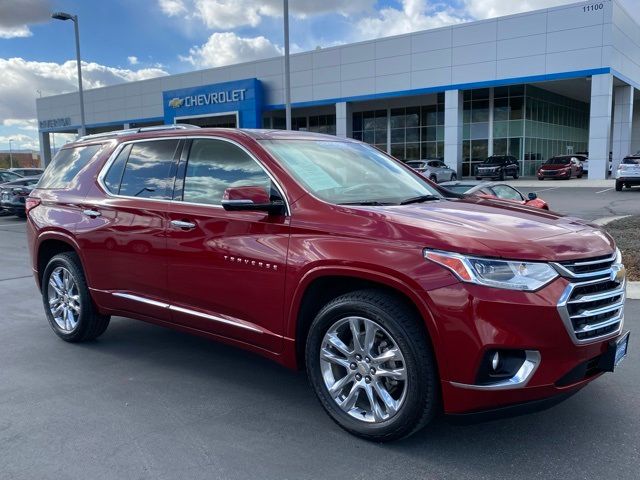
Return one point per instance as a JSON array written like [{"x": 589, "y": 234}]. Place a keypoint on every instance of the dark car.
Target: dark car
[
  {"x": 14, "y": 193},
  {"x": 561, "y": 166},
  {"x": 9, "y": 176},
  {"x": 327, "y": 254},
  {"x": 498, "y": 166},
  {"x": 28, "y": 171}
]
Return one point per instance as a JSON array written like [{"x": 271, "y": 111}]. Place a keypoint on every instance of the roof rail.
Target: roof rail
[{"x": 129, "y": 131}]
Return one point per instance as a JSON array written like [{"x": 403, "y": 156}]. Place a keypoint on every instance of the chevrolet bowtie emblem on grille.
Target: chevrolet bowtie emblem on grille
[
  {"x": 176, "y": 102},
  {"x": 252, "y": 263},
  {"x": 618, "y": 273}
]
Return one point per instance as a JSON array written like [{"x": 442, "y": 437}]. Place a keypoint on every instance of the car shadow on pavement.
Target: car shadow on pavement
[{"x": 199, "y": 370}]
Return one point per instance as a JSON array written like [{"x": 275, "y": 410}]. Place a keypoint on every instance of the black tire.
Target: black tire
[
  {"x": 515, "y": 175},
  {"x": 422, "y": 397},
  {"x": 501, "y": 176},
  {"x": 627, "y": 185},
  {"x": 579, "y": 176},
  {"x": 618, "y": 186},
  {"x": 454, "y": 177},
  {"x": 433, "y": 178},
  {"x": 91, "y": 324},
  {"x": 478, "y": 178},
  {"x": 540, "y": 178},
  {"x": 21, "y": 214}
]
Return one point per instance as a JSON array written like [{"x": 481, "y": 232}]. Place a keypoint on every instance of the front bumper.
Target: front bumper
[
  {"x": 554, "y": 174},
  {"x": 473, "y": 320},
  {"x": 13, "y": 204}
]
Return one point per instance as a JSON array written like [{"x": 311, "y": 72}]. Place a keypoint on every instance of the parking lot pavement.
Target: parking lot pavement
[
  {"x": 586, "y": 202},
  {"x": 148, "y": 403}
]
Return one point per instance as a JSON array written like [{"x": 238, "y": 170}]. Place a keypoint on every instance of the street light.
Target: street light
[
  {"x": 67, "y": 16},
  {"x": 10, "y": 154},
  {"x": 287, "y": 71}
]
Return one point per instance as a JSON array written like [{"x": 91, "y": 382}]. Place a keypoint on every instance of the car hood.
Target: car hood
[{"x": 485, "y": 227}]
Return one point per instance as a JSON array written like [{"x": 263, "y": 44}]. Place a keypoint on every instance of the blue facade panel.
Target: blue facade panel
[{"x": 242, "y": 96}]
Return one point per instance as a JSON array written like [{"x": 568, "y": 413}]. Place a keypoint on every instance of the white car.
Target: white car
[
  {"x": 628, "y": 172},
  {"x": 434, "y": 170}
]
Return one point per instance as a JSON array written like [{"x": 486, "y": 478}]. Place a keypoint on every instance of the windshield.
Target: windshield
[
  {"x": 347, "y": 172},
  {"x": 631, "y": 161},
  {"x": 558, "y": 161},
  {"x": 416, "y": 164},
  {"x": 494, "y": 160}
]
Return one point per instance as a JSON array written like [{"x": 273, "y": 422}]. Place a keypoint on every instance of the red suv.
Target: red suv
[{"x": 326, "y": 253}]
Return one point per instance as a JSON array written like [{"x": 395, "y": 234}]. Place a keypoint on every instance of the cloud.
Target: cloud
[
  {"x": 228, "y": 48},
  {"x": 133, "y": 60},
  {"x": 413, "y": 15},
  {"x": 230, "y": 14},
  {"x": 479, "y": 9},
  {"x": 21, "y": 79},
  {"x": 16, "y": 15},
  {"x": 19, "y": 141}
]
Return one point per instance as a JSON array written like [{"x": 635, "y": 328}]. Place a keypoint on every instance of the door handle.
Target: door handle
[
  {"x": 91, "y": 213},
  {"x": 183, "y": 225}
]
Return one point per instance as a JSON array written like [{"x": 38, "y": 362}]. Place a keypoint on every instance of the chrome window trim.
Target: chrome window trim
[
  {"x": 105, "y": 169},
  {"x": 520, "y": 379},
  {"x": 215, "y": 318}
]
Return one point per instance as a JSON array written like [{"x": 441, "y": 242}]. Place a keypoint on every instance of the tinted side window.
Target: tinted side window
[
  {"x": 147, "y": 173},
  {"x": 66, "y": 165},
  {"x": 114, "y": 176},
  {"x": 214, "y": 166},
  {"x": 506, "y": 192}
]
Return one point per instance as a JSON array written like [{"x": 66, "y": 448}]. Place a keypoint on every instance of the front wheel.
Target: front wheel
[
  {"x": 454, "y": 177},
  {"x": 433, "y": 178},
  {"x": 515, "y": 175},
  {"x": 618, "y": 186},
  {"x": 372, "y": 367},
  {"x": 67, "y": 302},
  {"x": 501, "y": 176}
]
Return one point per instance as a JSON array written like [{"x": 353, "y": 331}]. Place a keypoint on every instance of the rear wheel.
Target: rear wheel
[
  {"x": 67, "y": 302},
  {"x": 371, "y": 366},
  {"x": 478, "y": 178},
  {"x": 515, "y": 175},
  {"x": 540, "y": 178},
  {"x": 433, "y": 178},
  {"x": 618, "y": 186}
]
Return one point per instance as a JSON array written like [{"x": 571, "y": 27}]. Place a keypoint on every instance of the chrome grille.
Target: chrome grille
[{"x": 592, "y": 306}]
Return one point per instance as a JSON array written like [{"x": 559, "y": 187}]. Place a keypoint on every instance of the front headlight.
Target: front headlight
[
  {"x": 618, "y": 256},
  {"x": 511, "y": 275}
]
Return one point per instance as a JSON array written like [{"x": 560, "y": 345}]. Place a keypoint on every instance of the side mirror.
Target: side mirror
[
  {"x": 532, "y": 196},
  {"x": 250, "y": 198}
]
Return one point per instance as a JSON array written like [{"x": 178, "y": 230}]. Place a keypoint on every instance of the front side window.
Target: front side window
[
  {"x": 507, "y": 193},
  {"x": 147, "y": 173},
  {"x": 66, "y": 165},
  {"x": 631, "y": 161},
  {"x": 348, "y": 173},
  {"x": 214, "y": 166}
]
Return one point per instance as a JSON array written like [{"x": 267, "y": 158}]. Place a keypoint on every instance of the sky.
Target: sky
[{"x": 126, "y": 40}]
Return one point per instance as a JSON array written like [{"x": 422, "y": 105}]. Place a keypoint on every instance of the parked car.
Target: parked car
[
  {"x": 498, "y": 166},
  {"x": 496, "y": 190},
  {"x": 328, "y": 254},
  {"x": 561, "y": 166},
  {"x": 584, "y": 160},
  {"x": 435, "y": 170},
  {"x": 8, "y": 176},
  {"x": 28, "y": 172},
  {"x": 628, "y": 172},
  {"x": 14, "y": 193}
]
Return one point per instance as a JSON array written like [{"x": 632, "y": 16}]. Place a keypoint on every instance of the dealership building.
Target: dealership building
[{"x": 533, "y": 85}]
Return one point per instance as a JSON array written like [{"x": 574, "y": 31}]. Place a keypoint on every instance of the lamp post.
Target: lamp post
[
  {"x": 287, "y": 73},
  {"x": 67, "y": 16},
  {"x": 10, "y": 154}
]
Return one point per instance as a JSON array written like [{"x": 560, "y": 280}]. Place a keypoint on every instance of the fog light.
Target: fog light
[{"x": 495, "y": 361}]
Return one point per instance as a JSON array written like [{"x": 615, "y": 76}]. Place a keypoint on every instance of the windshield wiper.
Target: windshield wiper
[
  {"x": 420, "y": 199},
  {"x": 370, "y": 203}
]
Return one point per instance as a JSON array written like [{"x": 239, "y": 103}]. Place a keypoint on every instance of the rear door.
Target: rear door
[
  {"x": 123, "y": 233},
  {"x": 226, "y": 269}
]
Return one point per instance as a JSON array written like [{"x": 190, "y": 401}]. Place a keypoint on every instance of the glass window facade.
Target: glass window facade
[
  {"x": 313, "y": 123},
  {"x": 413, "y": 133}
]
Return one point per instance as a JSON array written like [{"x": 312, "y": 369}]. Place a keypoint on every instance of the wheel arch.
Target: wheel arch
[
  {"x": 321, "y": 285},
  {"x": 49, "y": 245}
]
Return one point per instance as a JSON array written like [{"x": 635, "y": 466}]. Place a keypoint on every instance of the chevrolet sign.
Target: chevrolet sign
[{"x": 213, "y": 98}]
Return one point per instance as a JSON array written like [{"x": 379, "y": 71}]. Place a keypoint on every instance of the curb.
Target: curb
[
  {"x": 633, "y": 290},
  {"x": 605, "y": 220}
]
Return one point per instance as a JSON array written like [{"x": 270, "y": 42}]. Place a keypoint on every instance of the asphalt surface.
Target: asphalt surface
[
  {"x": 585, "y": 202},
  {"x": 144, "y": 402}
]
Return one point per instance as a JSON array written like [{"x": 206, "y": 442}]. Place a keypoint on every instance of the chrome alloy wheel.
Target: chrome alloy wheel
[
  {"x": 64, "y": 299},
  {"x": 363, "y": 369}
]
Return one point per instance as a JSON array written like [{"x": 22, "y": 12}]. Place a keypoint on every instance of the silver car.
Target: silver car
[{"x": 434, "y": 170}]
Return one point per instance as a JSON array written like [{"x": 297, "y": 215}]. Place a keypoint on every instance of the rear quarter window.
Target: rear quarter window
[{"x": 66, "y": 165}]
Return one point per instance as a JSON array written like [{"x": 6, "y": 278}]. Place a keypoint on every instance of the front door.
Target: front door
[
  {"x": 122, "y": 236},
  {"x": 226, "y": 269}
]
